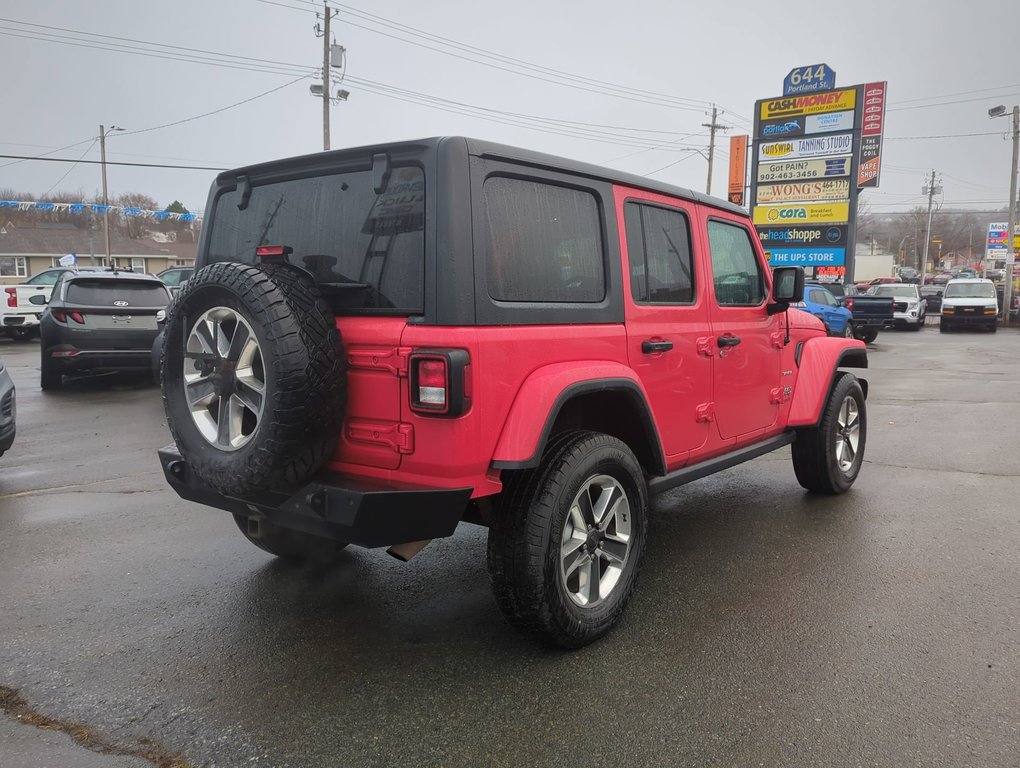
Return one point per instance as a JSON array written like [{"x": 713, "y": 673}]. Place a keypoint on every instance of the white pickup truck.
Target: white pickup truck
[{"x": 19, "y": 317}]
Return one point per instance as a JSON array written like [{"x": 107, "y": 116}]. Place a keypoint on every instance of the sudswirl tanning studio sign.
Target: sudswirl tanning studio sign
[
  {"x": 812, "y": 146},
  {"x": 818, "y": 213}
]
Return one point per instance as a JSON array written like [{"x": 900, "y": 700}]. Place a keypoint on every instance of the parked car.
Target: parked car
[
  {"x": 19, "y": 315},
  {"x": 8, "y": 409},
  {"x": 908, "y": 307},
  {"x": 939, "y": 279},
  {"x": 870, "y": 313},
  {"x": 820, "y": 302},
  {"x": 932, "y": 295},
  {"x": 175, "y": 276},
  {"x": 539, "y": 349},
  {"x": 969, "y": 303},
  {"x": 909, "y": 275},
  {"x": 99, "y": 321}
]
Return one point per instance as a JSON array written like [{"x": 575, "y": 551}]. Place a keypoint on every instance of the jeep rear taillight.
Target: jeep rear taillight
[
  {"x": 12, "y": 297},
  {"x": 849, "y": 303},
  {"x": 437, "y": 381}
]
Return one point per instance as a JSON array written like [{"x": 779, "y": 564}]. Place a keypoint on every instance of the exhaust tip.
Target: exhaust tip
[{"x": 405, "y": 552}]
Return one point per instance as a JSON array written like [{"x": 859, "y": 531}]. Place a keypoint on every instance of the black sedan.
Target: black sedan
[{"x": 99, "y": 321}]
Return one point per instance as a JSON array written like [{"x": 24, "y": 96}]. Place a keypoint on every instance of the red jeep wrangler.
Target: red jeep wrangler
[{"x": 383, "y": 342}]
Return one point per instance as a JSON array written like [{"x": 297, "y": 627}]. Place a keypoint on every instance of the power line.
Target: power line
[
  {"x": 601, "y": 86},
  {"x": 217, "y": 111},
  {"x": 379, "y": 88},
  {"x": 51, "y": 152},
  {"x": 112, "y": 162},
  {"x": 73, "y": 166}
]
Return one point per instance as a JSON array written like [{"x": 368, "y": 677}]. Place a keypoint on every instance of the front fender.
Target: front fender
[
  {"x": 540, "y": 398},
  {"x": 817, "y": 360}
]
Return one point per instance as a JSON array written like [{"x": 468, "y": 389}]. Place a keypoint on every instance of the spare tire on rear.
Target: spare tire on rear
[{"x": 252, "y": 377}]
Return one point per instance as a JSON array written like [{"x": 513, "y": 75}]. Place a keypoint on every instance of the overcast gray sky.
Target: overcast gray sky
[{"x": 566, "y": 91}]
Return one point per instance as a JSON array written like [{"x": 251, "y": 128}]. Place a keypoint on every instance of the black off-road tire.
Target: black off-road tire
[
  {"x": 815, "y": 460},
  {"x": 50, "y": 378},
  {"x": 23, "y": 333},
  {"x": 867, "y": 335},
  {"x": 524, "y": 545},
  {"x": 304, "y": 381},
  {"x": 287, "y": 544}
]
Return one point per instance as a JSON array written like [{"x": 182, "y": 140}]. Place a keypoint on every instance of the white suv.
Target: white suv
[{"x": 968, "y": 303}]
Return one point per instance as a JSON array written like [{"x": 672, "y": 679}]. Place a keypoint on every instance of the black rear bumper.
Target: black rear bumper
[{"x": 336, "y": 507}]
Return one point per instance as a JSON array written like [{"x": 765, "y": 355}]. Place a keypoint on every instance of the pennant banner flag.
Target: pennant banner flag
[{"x": 23, "y": 205}]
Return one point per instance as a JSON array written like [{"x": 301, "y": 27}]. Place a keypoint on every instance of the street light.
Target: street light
[
  {"x": 106, "y": 200},
  {"x": 1007, "y": 291}
]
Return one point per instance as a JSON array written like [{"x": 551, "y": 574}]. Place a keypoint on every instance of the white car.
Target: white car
[
  {"x": 969, "y": 303},
  {"x": 909, "y": 308}
]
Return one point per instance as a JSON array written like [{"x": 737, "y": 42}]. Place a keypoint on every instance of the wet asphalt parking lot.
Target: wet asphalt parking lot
[{"x": 769, "y": 627}]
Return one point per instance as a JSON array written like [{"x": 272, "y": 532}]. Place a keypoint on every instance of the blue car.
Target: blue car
[{"x": 821, "y": 303}]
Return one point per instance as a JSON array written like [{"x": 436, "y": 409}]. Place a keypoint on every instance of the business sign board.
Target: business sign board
[
  {"x": 804, "y": 191},
  {"x": 997, "y": 247},
  {"x": 809, "y": 136},
  {"x": 807, "y": 125},
  {"x": 828, "y": 274},
  {"x": 803, "y": 170},
  {"x": 814, "y": 146},
  {"x": 817, "y": 77},
  {"x": 807, "y": 213},
  {"x": 806, "y": 257},
  {"x": 738, "y": 169},
  {"x": 872, "y": 125},
  {"x": 829, "y": 122},
  {"x": 778, "y": 237},
  {"x": 813, "y": 104}
]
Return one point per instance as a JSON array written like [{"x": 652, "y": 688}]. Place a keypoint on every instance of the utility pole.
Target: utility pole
[
  {"x": 323, "y": 31},
  {"x": 927, "y": 236},
  {"x": 1007, "y": 288},
  {"x": 712, "y": 127},
  {"x": 106, "y": 200}
]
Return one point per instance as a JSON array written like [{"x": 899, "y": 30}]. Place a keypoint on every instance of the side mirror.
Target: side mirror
[
  {"x": 38, "y": 299},
  {"x": 787, "y": 284},
  {"x": 787, "y": 288}
]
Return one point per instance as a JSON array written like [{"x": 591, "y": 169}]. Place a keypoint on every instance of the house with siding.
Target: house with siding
[{"x": 28, "y": 249}]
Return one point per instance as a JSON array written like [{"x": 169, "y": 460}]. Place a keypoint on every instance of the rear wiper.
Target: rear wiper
[{"x": 344, "y": 285}]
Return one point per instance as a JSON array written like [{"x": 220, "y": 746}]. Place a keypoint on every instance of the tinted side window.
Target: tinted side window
[
  {"x": 659, "y": 248},
  {"x": 543, "y": 243},
  {"x": 738, "y": 278},
  {"x": 102, "y": 293}
]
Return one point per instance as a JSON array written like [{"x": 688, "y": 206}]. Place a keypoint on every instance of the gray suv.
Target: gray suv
[{"x": 99, "y": 321}]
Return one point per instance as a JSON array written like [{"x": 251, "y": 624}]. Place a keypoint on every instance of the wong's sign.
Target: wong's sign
[{"x": 802, "y": 191}]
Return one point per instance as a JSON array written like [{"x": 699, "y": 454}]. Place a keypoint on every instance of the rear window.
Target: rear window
[
  {"x": 365, "y": 250},
  {"x": 103, "y": 293}
]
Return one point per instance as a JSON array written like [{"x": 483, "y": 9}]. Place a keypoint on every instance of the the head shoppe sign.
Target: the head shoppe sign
[{"x": 812, "y": 153}]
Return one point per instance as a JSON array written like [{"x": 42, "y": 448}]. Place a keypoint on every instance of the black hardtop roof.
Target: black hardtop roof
[{"x": 478, "y": 148}]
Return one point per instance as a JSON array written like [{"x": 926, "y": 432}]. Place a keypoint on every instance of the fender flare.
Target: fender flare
[
  {"x": 819, "y": 360},
  {"x": 524, "y": 435}
]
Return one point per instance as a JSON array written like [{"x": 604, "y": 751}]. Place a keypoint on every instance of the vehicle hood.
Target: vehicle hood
[
  {"x": 800, "y": 318},
  {"x": 962, "y": 302}
]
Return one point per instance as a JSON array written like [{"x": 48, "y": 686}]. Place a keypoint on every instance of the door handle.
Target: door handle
[
  {"x": 650, "y": 347},
  {"x": 728, "y": 341}
]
